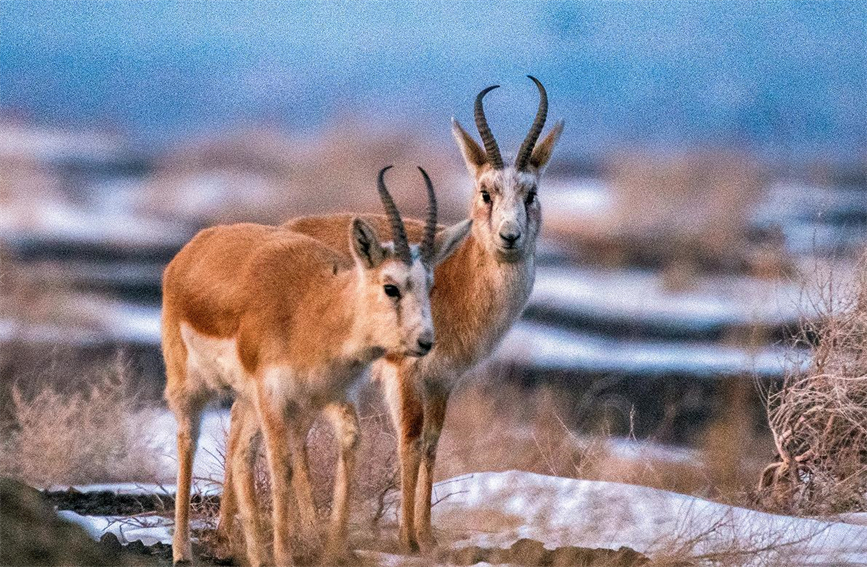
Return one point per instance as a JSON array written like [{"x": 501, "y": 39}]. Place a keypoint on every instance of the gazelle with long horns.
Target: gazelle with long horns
[
  {"x": 480, "y": 291},
  {"x": 288, "y": 325}
]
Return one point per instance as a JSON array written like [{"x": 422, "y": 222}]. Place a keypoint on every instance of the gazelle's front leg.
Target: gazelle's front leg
[
  {"x": 407, "y": 412},
  {"x": 276, "y": 433},
  {"x": 344, "y": 419},
  {"x": 435, "y": 400}
]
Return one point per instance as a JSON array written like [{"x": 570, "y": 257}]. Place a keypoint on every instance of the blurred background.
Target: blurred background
[{"x": 712, "y": 170}]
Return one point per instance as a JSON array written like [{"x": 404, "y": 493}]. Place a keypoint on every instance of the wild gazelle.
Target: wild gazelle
[
  {"x": 287, "y": 325},
  {"x": 480, "y": 291}
]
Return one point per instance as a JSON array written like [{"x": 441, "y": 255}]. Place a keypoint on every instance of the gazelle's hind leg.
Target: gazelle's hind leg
[
  {"x": 344, "y": 419},
  {"x": 188, "y": 416},
  {"x": 435, "y": 400},
  {"x": 247, "y": 437},
  {"x": 228, "y": 500}
]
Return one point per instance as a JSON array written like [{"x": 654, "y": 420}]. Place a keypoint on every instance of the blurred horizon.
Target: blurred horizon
[
  {"x": 782, "y": 80},
  {"x": 707, "y": 197}
]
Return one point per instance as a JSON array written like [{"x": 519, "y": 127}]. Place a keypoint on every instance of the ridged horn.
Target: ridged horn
[
  {"x": 533, "y": 135},
  {"x": 491, "y": 148},
  {"x": 398, "y": 232},
  {"x": 430, "y": 227}
]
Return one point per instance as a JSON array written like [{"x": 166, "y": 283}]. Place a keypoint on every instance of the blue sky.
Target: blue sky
[{"x": 780, "y": 77}]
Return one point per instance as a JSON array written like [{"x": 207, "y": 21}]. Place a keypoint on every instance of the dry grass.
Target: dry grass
[
  {"x": 725, "y": 540},
  {"x": 486, "y": 430},
  {"x": 374, "y": 484},
  {"x": 819, "y": 414},
  {"x": 701, "y": 196},
  {"x": 64, "y": 428}
]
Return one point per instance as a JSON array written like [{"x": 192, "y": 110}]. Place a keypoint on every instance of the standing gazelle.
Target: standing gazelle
[
  {"x": 288, "y": 324},
  {"x": 480, "y": 291}
]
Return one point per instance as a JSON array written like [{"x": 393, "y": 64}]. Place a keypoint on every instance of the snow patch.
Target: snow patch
[
  {"x": 497, "y": 509},
  {"x": 146, "y": 529}
]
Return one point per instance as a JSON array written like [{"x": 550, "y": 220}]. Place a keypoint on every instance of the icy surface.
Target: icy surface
[
  {"x": 147, "y": 529},
  {"x": 208, "y": 463},
  {"x": 553, "y": 348},
  {"x": 496, "y": 509},
  {"x": 638, "y": 295}
]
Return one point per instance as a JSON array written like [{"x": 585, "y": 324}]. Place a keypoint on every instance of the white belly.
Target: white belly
[
  {"x": 214, "y": 365},
  {"x": 213, "y": 362}
]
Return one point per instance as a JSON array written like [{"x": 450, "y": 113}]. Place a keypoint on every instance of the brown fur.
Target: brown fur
[
  {"x": 477, "y": 295},
  {"x": 287, "y": 323}
]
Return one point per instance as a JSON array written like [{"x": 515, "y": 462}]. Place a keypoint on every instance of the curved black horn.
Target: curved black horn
[
  {"x": 430, "y": 227},
  {"x": 533, "y": 135},
  {"x": 491, "y": 148},
  {"x": 398, "y": 232}
]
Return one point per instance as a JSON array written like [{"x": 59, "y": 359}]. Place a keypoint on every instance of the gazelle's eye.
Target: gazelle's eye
[
  {"x": 531, "y": 196},
  {"x": 486, "y": 197},
  {"x": 391, "y": 290}
]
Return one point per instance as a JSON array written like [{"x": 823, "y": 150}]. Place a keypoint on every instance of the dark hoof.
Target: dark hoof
[{"x": 409, "y": 547}]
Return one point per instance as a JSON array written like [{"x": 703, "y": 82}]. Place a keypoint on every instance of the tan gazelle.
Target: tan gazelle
[
  {"x": 287, "y": 324},
  {"x": 480, "y": 291}
]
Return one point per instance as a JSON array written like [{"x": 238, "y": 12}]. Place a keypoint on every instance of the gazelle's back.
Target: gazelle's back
[{"x": 240, "y": 281}]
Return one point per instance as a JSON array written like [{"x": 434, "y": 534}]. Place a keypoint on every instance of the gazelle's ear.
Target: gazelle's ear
[
  {"x": 365, "y": 244},
  {"x": 474, "y": 155},
  {"x": 542, "y": 152},
  {"x": 447, "y": 241}
]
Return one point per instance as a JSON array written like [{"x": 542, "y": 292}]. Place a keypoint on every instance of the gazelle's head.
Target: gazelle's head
[
  {"x": 395, "y": 278},
  {"x": 505, "y": 208}
]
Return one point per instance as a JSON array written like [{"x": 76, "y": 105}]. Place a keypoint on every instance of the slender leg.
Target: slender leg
[
  {"x": 298, "y": 429},
  {"x": 246, "y": 431},
  {"x": 188, "y": 417},
  {"x": 407, "y": 411},
  {"x": 345, "y": 421},
  {"x": 228, "y": 500},
  {"x": 275, "y": 432},
  {"x": 435, "y": 399}
]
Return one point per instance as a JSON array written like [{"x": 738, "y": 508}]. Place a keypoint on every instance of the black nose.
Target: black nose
[
  {"x": 510, "y": 237},
  {"x": 425, "y": 345}
]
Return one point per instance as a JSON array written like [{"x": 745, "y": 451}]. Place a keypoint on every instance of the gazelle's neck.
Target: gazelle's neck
[
  {"x": 482, "y": 298},
  {"x": 360, "y": 338},
  {"x": 336, "y": 315}
]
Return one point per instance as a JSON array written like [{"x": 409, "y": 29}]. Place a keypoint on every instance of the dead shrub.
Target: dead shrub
[
  {"x": 818, "y": 415},
  {"x": 486, "y": 430},
  {"x": 79, "y": 429}
]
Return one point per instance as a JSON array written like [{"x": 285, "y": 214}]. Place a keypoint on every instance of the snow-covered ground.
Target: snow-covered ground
[
  {"x": 497, "y": 509},
  {"x": 545, "y": 347},
  {"x": 642, "y": 296}
]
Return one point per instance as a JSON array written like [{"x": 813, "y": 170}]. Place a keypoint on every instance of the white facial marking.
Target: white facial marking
[{"x": 511, "y": 224}]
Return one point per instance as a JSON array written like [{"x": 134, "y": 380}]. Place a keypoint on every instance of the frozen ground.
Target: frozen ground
[
  {"x": 552, "y": 348},
  {"x": 496, "y": 509}
]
